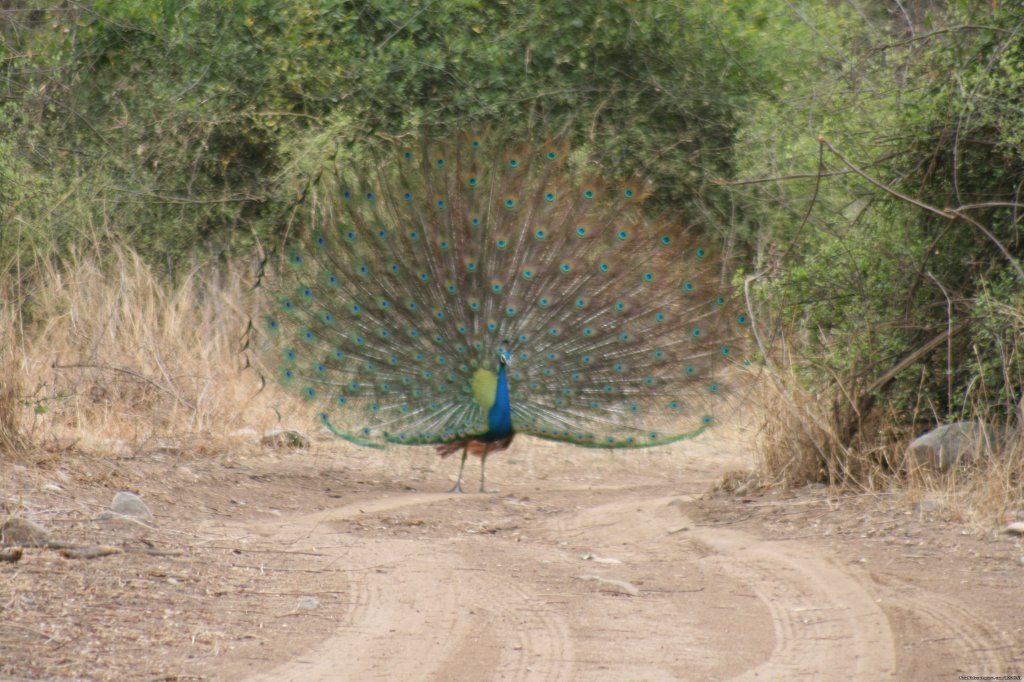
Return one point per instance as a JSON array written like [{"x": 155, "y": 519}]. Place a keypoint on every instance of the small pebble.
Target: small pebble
[
  {"x": 612, "y": 586},
  {"x": 307, "y": 603}
]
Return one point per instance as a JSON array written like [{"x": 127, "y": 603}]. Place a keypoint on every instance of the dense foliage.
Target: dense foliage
[
  {"x": 185, "y": 130},
  {"x": 907, "y": 222},
  {"x": 179, "y": 117}
]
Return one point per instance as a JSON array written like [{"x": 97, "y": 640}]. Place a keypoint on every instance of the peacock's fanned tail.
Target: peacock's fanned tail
[{"x": 423, "y": 263}]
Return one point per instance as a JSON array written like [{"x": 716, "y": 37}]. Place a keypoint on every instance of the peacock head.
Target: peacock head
[{"x": 504, "y": 357}]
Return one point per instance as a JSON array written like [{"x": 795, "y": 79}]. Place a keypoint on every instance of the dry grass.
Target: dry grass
[
  {"x": 11, "y": 423},
  {"x": 102, "y": 350},
  {"x": 985, "y": 491},
  {"x": 801, "y": 442},
  {"x": 11, "y": 438}
]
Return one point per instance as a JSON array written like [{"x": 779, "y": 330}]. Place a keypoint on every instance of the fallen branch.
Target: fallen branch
[
  {"x": 914, "y": 357},
  {"x": 132, "y": 373},
  {"x": 93, "y": 552}
]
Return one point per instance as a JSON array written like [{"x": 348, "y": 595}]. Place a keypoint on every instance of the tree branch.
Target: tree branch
[{"x": 948, "y": 213}]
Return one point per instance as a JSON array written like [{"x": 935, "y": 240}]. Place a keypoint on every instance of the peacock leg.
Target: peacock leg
[
  {"x": 457, "y": 488},
  {"x": 483, "y": 461}
]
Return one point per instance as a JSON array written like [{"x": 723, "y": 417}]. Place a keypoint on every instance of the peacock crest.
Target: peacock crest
[{"x": 470, "y": 289}]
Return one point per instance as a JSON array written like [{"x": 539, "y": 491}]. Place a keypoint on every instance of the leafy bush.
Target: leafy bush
[
  {"x": 903, "y": 224},
  {"x": 179, "y": 119}
]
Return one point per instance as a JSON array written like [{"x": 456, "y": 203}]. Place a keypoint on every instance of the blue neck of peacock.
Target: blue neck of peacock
[{"x": 499, "y": 417}]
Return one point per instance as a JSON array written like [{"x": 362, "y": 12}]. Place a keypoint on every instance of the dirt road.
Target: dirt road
[{"x": 583, "y": 566}]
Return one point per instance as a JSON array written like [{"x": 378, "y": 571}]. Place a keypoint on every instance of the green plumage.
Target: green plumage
[{"x": 421, "y": 265}]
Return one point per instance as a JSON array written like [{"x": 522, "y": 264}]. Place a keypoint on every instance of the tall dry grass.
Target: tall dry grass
[
  {"x": 801, "y": 440},
  {"x": 97, "y": 348},
  {"x": 804, "y": 438},
  {"x": 11, "y": 436}
]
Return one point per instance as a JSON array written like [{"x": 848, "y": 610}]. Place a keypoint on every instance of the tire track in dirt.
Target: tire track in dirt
[
  {"x": 686, "y": 622},
  {"x": 971, "y": 644},
  {"x": 440, "y": 612},
  {"x": 822, "y": 618},
  {"x": 384, "y": 631},
  {"x": 713, "y": 603},
  {"x": 398, "y": 627},
  {"x": 826, "y": 624},
  {"x": 522, "y": 639},
  {"x": 451, "y": 609}
]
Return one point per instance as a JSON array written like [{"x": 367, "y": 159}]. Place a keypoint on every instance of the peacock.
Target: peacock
[{"x": 456, "y": 293}]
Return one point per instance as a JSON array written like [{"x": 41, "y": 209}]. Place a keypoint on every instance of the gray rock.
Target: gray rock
[
  {"x": 284, "y": 438},
  {"x": 943, "y": 448},
  {"x": 22, "y": 532},
  {"x": 304, "y": 603},
  {"x": 131, "y": 505}
]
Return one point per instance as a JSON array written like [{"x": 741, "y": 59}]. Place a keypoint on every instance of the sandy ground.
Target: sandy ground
[{"x": 345, "y": 564}]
